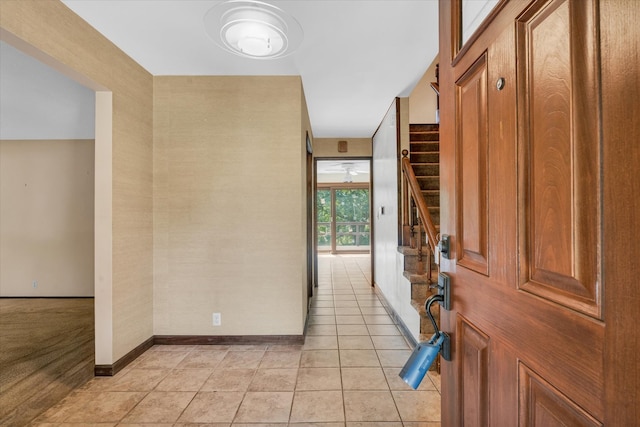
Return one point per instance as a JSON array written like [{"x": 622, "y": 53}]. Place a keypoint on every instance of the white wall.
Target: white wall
[{"x": 388, "y": 263}]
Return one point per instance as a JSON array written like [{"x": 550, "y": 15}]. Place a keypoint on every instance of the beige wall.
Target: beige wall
[
  {"x": 229, "y": 215},
  {"x": 423, "y": 99},
  {"x": 46, "y": 218},
  {"x": 307, "y": 191},
  {"x": 123, "y": 281},
  {"x": 328, "y": 147}
]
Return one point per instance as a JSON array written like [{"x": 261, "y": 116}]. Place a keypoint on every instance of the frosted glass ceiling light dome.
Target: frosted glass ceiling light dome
[{"x": 253, "y": 29}]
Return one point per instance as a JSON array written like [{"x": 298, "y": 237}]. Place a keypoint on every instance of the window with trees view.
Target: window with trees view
[{"x": 351, "y": 230}]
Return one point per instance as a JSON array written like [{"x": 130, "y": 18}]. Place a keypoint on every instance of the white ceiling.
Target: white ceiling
[{"x": 355, "y": 58}]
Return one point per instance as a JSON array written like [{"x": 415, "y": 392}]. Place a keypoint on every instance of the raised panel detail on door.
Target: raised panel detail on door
[
  {"x": 471, "y": 164},
  {"x": 559, "y": 148},
  {"x": 473, "y": 350},
  {"x": 542, "y": 405}
]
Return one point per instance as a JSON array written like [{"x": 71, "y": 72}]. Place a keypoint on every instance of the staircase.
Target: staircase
[
  {"x": 425, "y": 157},
  {"x": 424, "y": 153}
]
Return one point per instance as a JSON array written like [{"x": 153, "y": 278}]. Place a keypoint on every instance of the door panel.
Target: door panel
[
  {"x": 522, "y": 160},
  {"x": 472, "y": 167},
  {"x": 560, "y": 155},
  {"x": 473, "y": 348},
  {"x": 543, "y": 405}
]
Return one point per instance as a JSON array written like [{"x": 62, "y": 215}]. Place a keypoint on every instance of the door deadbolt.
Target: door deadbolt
[{"x": 443, "y": 245}]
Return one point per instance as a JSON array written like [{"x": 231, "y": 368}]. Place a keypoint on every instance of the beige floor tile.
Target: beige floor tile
[
  {"x": 274, "y": 380},
  {"x": 198, "y": 425},
  {"x": 353, "y": 303},
  {"x": 322, "y": 311},
  {"x": 257, "y": 425},
  {"x": 370, "y": 297},
  {"x": 321, "y": 330},
  {"x": 364, "y": 379},
  {"x": 371, "y": 355},
  {"x": 159, "y": 359},
  {"x": 160, "y": 407},
  {"x": 328, "y": 303},
  {"x": 138, "y": 380},
  {"x": 322, "y": 320},
  {"x": 355, "y": 342},
  {"x": 248, "y": 347},
  {"x": 383, "y": 330},
  {"x": 319, "y": 379},
  {"x": 212, "y": 347},
  {"x": 344, "y": 297},
  {"x": 347, "y": 311},
  {"x": 281, "y": 359},
  {"x": 317, "y": 406},
  {"x": 212, "y": 407},
  {"x": 370, "y": 303},
  {"x": 375, "y": 319},
  {"x": 184, "y": 380},
  {"x": 396, "y": 383},
  {"x": 421, "y": 424},
  {"x": 393, "y": 358},
  {"x": 284, "y": 347},
  {"x": 265, "y": 407},
  {"x": 390, "y": 342},
  {"x": 99, "y": 384},
  {"x": 359, "y": 358},
  {"x": 375, "y": 424},
  {"x": 320, "y": 359},
  {"x": 241, "y": 360},
  {"x": 202, "y": 359},
  {"x": 316, "y": 425},
  {"x": 160, "y": 347},
  {"x": 108, "y": 406},
  {"x": 353, "y": 330},
  {"x": 349, "y": 320},
  {"x": 418, "y": 405},
  {"x": 342, "y": 292},
  {"x": 374, "y": 311},
  {"x": 370, "y": 406},
  {"x": 320, "y": 342},
  {"x": 229, "y": 380}
]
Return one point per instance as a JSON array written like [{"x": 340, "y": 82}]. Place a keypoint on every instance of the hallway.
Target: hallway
[{"x": 346, "y": 372}]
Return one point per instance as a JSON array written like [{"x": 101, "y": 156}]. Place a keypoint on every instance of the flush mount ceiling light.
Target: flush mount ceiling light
[{"x": 253, "y": 29}]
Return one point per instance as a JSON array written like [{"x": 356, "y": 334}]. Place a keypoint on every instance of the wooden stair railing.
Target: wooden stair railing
[{"x": 413, "y": 223}]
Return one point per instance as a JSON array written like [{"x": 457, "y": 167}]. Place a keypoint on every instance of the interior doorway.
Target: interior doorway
[{"x": 343, "y": 206}]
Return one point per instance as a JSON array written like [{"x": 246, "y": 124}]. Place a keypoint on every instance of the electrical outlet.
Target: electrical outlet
[
  {"x": 217, "y": 319},
  {"x": 35, "y": 284}
]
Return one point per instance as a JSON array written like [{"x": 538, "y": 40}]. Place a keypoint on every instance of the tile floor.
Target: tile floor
[{"x": 346, "y": 373}]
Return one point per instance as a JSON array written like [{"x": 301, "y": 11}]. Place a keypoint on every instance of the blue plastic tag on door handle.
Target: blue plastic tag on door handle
[{"x": 421, "y": 360}]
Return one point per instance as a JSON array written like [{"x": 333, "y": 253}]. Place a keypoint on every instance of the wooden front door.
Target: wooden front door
[{"x": 528, "y": 162}]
